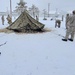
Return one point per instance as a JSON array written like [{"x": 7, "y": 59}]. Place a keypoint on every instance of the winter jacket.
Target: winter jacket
[
  {"x": 67, "y": 19},
  {"x": 71, "y": 22}
]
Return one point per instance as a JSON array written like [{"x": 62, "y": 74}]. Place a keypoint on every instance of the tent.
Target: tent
[{"x": 25, "y": 23}]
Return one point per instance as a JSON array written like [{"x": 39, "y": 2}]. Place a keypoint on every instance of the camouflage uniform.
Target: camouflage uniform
[
  {"x": 67, "y": 19},
  {"x": 57, "y": 23},
  {"x": 2, "y": 19},
  {"x": 71, "y": 28},
  {"x": 9, "y": 19}
]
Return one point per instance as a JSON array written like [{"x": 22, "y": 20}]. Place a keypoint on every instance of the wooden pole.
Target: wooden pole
[
  {"x": 48, "y": 9},
  {"x": 10, "y": 9}
]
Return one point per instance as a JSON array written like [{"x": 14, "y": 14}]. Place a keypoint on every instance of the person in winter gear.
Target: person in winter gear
[
  {"x": 2, "y": 19},
  {"x": 9, "y": 19},
  {"x": 71, "y": 28},
  {"x": 57, "y": 23},
  {"x": 37, "y": 18}
]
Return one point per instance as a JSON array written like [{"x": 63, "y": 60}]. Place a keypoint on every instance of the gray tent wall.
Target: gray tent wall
[{"x": 26, "y": 23}]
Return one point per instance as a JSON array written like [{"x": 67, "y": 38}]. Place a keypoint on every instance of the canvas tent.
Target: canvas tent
[{"x": 25, "y": 23}]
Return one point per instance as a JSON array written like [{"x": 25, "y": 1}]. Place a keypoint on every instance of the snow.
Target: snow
[{"x": 38, "y": 53}]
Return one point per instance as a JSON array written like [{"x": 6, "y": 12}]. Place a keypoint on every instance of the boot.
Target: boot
[
  {"x": 70, "y": 39},
  {"x": 64, "y": 39}
]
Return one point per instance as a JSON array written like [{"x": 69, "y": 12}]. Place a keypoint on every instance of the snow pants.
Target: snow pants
[{"x": 70, "y": 31}]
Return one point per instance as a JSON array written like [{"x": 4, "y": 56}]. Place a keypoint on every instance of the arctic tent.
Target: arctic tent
[{"x": 25, "y": 23}]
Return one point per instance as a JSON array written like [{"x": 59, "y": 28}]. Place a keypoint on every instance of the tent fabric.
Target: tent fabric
[{"x": 25, "y": 23}]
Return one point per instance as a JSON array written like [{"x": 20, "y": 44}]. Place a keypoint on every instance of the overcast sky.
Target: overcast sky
[{"x": 60, "y": 5}]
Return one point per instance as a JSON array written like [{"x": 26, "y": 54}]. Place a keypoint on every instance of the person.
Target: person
[
  {"x": 71, "y": 28},
  {"x": 37, "y": 18},
  {"x": 0, "y": 52},
  {"x": 67, "y": 19},
  {"x": 9, "y": 19},
  {"x": 2, "y": 19},
  {"x": 62, "y": 17},
  {"x": 57, "y": 23}
]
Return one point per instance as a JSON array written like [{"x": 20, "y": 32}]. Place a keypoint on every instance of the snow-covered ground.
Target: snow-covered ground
[{"x": 37, "y": 54}]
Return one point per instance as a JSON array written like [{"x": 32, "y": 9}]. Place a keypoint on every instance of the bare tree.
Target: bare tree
[
  {"x": 45, "y": 13},
  {"x": 34, "y": 11}
]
